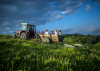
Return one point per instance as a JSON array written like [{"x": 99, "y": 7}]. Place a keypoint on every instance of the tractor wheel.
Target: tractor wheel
[
  {"x": 23, "y": 36},
  {"x": 36, "y": 36},
  {"x": 46, "y": 40}
]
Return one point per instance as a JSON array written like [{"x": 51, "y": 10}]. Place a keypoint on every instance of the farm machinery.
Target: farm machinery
[{"x": 27, "y": 30}]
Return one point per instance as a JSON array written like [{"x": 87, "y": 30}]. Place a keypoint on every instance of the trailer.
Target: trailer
[{"x": 50, "y": 38}]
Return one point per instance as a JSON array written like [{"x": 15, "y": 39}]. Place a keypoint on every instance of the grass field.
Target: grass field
[{"x": 21, "y": 55}]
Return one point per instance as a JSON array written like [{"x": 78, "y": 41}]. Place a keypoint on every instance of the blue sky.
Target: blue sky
[{"x": 69, "y": 16}]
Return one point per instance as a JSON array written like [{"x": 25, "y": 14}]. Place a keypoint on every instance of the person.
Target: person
[
  {"x": 56, "y": 32},
  {"x": 59, "y": 33},
  {"x": 46, "y": 32},
  {"x": 30, "y": 31},
  {"x": 31, "y": 28},
  {"x": 51, "y": 32},
  {"x": 38, "y": 34},
  {"x": 41, "y": 33}
]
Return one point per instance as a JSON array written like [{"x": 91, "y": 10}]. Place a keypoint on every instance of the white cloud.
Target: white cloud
[
  {"x": 16, "y": 11},
  {"x": 4, "y": 32},
  {"x": 57, "y": 17},
  {"x": 11, "y": 31},
  {"x": 7, "y": 28},
  {"x": 76, "y": 11},
  {"x": 88, "y": 8},
  {"x": 5, "y": 23},
  {"x": 74, "y": 30},
  {"x": 13, "y": 8},
  {"x": 64, "y": 29},
  {"x": 80, "y": 30},
  {"x": 17, "y": 25},
  {"x": 65, "y": 12}
]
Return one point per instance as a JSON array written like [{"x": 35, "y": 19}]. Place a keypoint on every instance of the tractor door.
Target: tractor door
[
  {"x": 33, "y": 30},
  {"x": 28, "y": 30}
]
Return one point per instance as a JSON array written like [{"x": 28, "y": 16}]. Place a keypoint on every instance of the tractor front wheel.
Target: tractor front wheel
[
  {"x": 23, "y": 36},
  {"x": 46, "y": 40}
]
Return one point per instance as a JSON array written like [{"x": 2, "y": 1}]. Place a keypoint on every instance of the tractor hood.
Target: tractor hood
[{"x": 16, "y": 32}]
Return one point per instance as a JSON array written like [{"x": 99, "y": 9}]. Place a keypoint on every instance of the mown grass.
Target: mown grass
[{"x": 30, "y": 55}]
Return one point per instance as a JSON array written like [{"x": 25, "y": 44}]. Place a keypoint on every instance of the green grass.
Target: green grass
[{"x": 29, "y": 55}]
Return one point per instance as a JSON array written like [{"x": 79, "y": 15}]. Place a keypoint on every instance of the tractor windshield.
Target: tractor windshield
[{"x": 23, "y": 27}]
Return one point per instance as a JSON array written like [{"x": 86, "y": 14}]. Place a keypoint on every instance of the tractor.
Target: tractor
[{"x": 25, "y": 31}]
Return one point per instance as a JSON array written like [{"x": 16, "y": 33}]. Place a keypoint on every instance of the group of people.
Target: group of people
[{"x": 52, "y": 33}]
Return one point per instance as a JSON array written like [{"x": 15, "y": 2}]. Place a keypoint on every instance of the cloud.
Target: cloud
[
  {"x": 68, "y": 7},
  {"x": 11, "y": 31},
  {"x": 96, "y": 1},
  {"x": 94, "y": 31},
  {"x": 5, "y": 23},
  {"x": 3, "y": 32},
  {"x": 7, "y": 28},
  {"x": 88, "y": 8},
  {"x": 80, "y": 0},
  {"x": 31, "y": 10},
  {"x": 17, "y": 25},
  {"x": 37, "y": 12},
  {"x": 69, "y": 30}
]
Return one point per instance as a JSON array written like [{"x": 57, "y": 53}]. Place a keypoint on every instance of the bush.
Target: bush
[
  {"x": 90, "y": 39},
  {"x": 93, "y": 39}
]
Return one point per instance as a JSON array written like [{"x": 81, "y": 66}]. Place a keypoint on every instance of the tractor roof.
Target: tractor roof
[{"x": 27, "y": 24}]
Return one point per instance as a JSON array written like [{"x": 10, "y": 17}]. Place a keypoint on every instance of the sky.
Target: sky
[{"x": 69, "y": 16}]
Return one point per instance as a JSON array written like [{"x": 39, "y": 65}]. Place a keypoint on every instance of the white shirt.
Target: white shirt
[
  {"x": 46, "y": 33},
  {"x": 60, "y": 33},
  {"x": 56, "y": 33}
]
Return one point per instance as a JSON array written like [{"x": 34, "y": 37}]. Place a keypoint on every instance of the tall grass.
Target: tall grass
[{"x": 30, "y": 55}]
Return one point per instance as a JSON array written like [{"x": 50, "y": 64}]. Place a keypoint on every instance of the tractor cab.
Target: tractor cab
[
  {"x": 31, "y": 30},
  {"x": 26, "y": 30}
]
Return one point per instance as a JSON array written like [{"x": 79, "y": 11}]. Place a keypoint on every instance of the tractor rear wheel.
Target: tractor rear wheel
[
  {"x": 46, "y": 40},
  {"x": 23, "y": 36}
]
